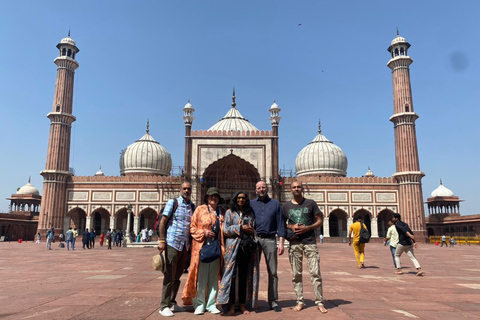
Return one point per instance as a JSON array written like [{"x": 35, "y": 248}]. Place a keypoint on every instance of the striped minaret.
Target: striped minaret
[
  {"x": 408, "y": 172},
  {"x": 56, "y": 173}
]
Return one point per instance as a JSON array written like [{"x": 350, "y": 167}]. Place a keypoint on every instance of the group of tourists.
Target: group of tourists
[{"x": 225, "y": 249}]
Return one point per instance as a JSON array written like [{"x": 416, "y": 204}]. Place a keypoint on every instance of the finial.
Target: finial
[
  {"x": 100, "y": 167},
  {"x": 148, "y": 125},
  {"x": 398, "y": 32},
  {"x": 29, "y": 179},
  {"x": 441, "y": 182},
  {"x": 69, "y": 33},
  {"x": 368, "y": 168},
  {"x": 233, "y": 98},
  {"x": 188, "y": 100},
  {"x": 319, "y": 126}
]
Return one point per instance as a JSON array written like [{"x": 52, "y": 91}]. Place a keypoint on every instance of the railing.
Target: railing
[{"x": 457, "y": 240}]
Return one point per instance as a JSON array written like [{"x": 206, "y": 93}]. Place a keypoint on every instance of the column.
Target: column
[
  {"x": 349, "y": 223},
  {"x": 88, "y": 223},
  {"x": 112, "y": 222},
  {"x": 374, "y": 226},
  {"x": 326, "y": 227},
  {"x": 136, "y": 225}
]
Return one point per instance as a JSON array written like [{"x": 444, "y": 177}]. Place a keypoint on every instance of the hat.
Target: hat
[
  {"x": 212, "y": 191},
  {"x": 159, "y": 262}
]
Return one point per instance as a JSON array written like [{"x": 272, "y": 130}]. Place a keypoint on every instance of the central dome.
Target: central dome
[
  {"x": 321, "y": 157},
  {"x": 28, "y": 189},
  {"x": 233, "y": 121},
  {"x": 145, "y": 157}
]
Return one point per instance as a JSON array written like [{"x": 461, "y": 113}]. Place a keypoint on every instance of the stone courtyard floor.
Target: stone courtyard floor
[{"x": 121, "y": 284}]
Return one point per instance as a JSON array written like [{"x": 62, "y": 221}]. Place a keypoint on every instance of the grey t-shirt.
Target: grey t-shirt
[{"x": 303, "y": 213}]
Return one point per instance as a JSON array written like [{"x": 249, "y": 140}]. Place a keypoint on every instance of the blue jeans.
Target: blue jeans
[
  {"x": 73, "y": 243},
  {"x": 392, "y": 250},
  {"x": 68, "y": 243}
]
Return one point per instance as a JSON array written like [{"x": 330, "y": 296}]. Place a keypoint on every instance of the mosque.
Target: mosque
[{"x": 232, "y": 154}]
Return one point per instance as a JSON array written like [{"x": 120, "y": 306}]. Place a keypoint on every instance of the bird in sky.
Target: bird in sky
[{"x": 299, "y": 24}]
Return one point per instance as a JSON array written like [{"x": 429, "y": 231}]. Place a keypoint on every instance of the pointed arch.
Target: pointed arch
[
  {"x": 230, "y": 174},
  {"x": 382, "y": 222},
  {"x": 337, "y": 221},
  {"x": 366, "y": 218}
]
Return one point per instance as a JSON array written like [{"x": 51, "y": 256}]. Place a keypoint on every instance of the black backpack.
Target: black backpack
[{"x": 364, "y": 234}]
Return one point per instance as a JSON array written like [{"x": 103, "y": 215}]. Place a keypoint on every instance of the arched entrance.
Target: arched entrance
[
  {"x": 147, "y": 218},
  {"x": 101, "y": 220},
  {"x": 122, "y": 220},
  {"x": 337, "y": 222},
  {"x": 365, "y": 215},
  {"x": 382, "y": 222},
  {"x": 230, "y": 174},
  {"x": 78, "y": 219}
]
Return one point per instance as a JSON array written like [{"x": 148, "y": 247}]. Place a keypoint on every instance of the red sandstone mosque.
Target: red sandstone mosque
[{"x": 233, "y": 154}]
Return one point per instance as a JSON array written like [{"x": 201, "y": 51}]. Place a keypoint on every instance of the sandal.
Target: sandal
[
  {"x": 419, "y": 273},
  {"x": 398, "y": 272}
]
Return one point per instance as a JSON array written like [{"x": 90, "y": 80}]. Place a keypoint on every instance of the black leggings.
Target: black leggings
[{"x": 243, "y": 259}]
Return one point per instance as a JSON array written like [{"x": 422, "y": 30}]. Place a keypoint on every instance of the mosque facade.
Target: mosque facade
[{"x": 232, "y": 155}]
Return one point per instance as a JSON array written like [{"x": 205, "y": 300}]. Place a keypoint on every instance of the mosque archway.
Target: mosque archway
[
  {"x": 122, "y": 224},
  {"x": 230, "y": 174},
  {"x": 78, "y": 218},
  {"x": 337, "y": 222},
  {"x": 382, "y": 222},
  {"x": 147, "y": 218},
  {"x": 366, "y": 218},
  {"x": 101, "y": 220}
]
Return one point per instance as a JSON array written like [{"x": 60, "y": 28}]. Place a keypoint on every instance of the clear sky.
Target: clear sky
[{"x": 323, "y": 60}]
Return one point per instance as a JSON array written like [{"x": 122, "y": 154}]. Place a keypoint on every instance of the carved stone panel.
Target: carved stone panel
[
  {"x": 125, "y": 196},
  {"x": 337, "y": 197},
  {"x": 386, "y": 197},
  {"x": 149, "y": 196},
  {"x": 78, "y": 196},
  {"x": 102, "y": 196},
  {"x": 361, "y": 197}
]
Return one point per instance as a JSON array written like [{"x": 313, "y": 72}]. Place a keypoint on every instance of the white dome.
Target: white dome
[
  {"x": 68, "y": 40},
  {"x": 233, "y": 121},
  {"x": 441, "y": 191},
  {"x": 369, "y": 173},
  {"x": 145, "y": 156},
  {"x": 398, "y": 39},
  {"x": 99, "y": 172},
  {"x": 321, "y": 156},
  {"x": 28, "y": 189}
]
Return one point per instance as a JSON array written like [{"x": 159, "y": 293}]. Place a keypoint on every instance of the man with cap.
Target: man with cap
[
  {"x": 174, "y": 240},
  {"x": 269, "y": 223}
]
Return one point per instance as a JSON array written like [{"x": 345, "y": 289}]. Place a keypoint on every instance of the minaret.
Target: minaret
[
  {"x": 275, "y": 121},
  {"x": 408, "y": 172},
  {"x": 188, "y": 119},
  {"x": 56, "y": 173}
]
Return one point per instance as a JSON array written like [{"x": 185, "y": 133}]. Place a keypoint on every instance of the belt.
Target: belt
[{"x": 265, "y": 236}]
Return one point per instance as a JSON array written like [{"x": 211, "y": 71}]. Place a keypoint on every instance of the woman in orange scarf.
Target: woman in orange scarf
[{"x": 202, "y": 281}]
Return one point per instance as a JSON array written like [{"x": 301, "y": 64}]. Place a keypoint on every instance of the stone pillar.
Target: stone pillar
[
  {"x": 88, "y": 223},
  {"x": 349, "y": 223},
  {"x": 326, "y": 227},
  {"x": 136, "y": 225},
  {"x": 374, "y": 226},
  {"x": 112, "y": 222}
]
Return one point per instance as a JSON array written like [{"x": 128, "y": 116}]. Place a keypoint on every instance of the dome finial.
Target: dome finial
[
  {"x": 319, "y": 126},
  {"x": 441, "y": 182},
  {"x": 398, "y": 32},
  {"x": 233, "y": 98},
  {"x": 29, "y": 179},
  {"x": 148, "y": 125},
  {"x": 69, "y": 33}
]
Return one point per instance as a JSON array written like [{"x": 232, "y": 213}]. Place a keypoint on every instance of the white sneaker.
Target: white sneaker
[
  {"x": 176, "y": 308},
  {"x": 214, "y": 310},
  {"x": 166, "y": 312},
  {"x": 199, "y": 310}
]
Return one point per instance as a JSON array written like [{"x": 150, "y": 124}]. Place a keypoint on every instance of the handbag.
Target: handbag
[
  {"x": 292, "y": 236},
  {"x": 211, "y": 250}
]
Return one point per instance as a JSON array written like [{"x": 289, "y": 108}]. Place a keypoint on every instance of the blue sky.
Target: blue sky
[{"x": 143, "y": 60}]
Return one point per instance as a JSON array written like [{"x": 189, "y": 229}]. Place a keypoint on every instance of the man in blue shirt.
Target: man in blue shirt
[
  {"x": 174, "y": 239},
  {"x": 269, "y": 223}
]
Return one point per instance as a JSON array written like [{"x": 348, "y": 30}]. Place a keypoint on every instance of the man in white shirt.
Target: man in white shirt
[{"x": 392, "y": 236}]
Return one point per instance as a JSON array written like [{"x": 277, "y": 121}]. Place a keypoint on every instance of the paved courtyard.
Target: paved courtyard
[{"x": 120, "y": 284}]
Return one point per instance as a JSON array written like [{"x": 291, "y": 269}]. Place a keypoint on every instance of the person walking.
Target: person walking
[
  {"x": 303, "y": 217},
  {"x": 202, "y": 280},
  {"x": 69, "y": 238},
  {"x": 92, "y": 239},
  {"x": 392, "y": 239},
  {"x": 86, "y": 239},
  {"x": 74, "y": 239},
  {"x": 50, "y": 238},
  {"x": 406, "y": 243},
  {"x": 269, "y": 223},
  {"x": 38, "y": 238},
  {"x": 174, "y": 240},
  {"x": 444, "y": 241},
  {"x": 109, "y": 237},
  {"x": 358, "y": 247},
  {"x": 242, "y": 259}
]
